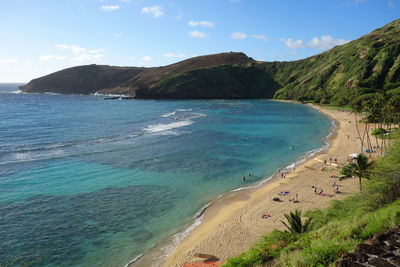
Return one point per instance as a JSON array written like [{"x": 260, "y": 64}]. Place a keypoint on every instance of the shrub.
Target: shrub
[
  {"x": 347, "y": 170},
  {"x": 378, "y": 131}
]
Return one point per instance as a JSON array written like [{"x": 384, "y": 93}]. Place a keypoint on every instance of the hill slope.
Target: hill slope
[
  {"x": 363, "y": 66},
  {"x": 360, "y": 67},
  {"x": 81, "y": 80}
]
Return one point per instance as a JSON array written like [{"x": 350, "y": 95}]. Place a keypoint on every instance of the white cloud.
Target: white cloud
[
  {"x": 74, "y": 48},
  {"x": 390, "y": 3},
  {"x": 118, "y": 35},
  {"x": 293, "y": 44},
  {"x": 323, "y": 43},
  {"x": 259, "y": 37},
  {"x": 153, "y": 10},
  {"x": 146, "y": 58},
  {"x": 197, "y": 34},
  {"x": 80, "y": 53},
  {"x": 203, "y": 23},
  {"x": 13, "y": 60},
  {"x": 238, "y": 35},
  {"x": 110, "y": 8},
  {"x": 172, "y": 55},
  {"x": 51, "y": 57},
  {"x": 194, "y": 55},
  {"x": 96, "y": 51}
]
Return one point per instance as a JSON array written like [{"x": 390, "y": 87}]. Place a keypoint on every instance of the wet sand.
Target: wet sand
[{"x": 232, "y": 224}]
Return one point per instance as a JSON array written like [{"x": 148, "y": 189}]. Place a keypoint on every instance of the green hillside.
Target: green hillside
[
  {"x": 366, "y": 65},
  {"x": 339, "y": 75}
]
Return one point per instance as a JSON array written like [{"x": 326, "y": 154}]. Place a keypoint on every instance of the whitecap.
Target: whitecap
[
  {"x": 165, "y": 127},
  {"x": 195, "y": 115},
  {"x": 168, "y": 114},
  {"x": 29, "y": 156}
]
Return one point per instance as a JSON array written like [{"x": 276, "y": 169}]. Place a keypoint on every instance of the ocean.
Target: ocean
[{"x": 92, "y": 182}]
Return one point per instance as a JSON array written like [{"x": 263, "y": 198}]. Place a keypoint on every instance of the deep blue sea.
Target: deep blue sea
[{"x": 92, "y": 182}]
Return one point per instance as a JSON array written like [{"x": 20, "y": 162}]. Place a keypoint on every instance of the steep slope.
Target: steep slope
[
  {"x": 363, "y": 66},
  {"x": 81, "y": 80},
  {"x": 125, "y": 80},
  {"x": 151, "y": 82}
]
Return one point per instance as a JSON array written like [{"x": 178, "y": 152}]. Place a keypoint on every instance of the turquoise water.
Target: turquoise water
[{"x": 84, "y": 181}]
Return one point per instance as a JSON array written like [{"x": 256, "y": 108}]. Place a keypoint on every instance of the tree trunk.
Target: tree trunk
[
  {"x": 358, "y": 132},
  {"x": 376, "y": 138},
  {"x": 359, "y": 179}
]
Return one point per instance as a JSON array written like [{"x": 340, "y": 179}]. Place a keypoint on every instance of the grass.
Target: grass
[{"x": 339, "y": 228}]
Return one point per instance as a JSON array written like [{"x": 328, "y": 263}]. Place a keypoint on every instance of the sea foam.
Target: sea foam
[{"x": 156, "y": 128}]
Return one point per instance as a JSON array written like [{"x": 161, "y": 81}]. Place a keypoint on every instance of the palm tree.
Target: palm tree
[
  {"x": 357, "y": 109},
  {"x": 295, "y": 225},
  {"x": 358, "y": 168}
]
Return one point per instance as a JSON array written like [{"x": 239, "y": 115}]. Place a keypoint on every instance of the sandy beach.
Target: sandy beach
[{"x": 232, "y": 224}]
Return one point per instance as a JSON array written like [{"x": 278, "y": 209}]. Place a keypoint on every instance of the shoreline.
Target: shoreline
[
  {"x": 232, "y": 224},
  {"x": 158, "y": 256}
]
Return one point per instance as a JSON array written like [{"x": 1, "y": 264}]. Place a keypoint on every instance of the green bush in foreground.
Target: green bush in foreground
[{"x": 294, "y": 223}]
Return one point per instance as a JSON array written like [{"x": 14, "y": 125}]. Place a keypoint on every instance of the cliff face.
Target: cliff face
[{"x": 360, "y": 67}]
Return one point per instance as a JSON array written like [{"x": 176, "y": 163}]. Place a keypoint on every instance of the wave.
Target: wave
[
  {"x": 29, "y": 156},
  {"x": 134, "y": 260},
  {"x": 109, "y": 95},
  {"x": 177, "y": 238},
  {"x": 11, "y": 92},
  {"x": 168, "y": 114},
  {"x": 195, "y": 115},
  {"x": 156, "y": 128},
  {"x": 51, "y": 93}
]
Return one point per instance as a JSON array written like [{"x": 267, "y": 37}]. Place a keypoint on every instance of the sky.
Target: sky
[{"x": 39, "y": 37}]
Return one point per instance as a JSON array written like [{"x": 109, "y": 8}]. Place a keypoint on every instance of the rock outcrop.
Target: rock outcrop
[{"x": 382, "y": 250}]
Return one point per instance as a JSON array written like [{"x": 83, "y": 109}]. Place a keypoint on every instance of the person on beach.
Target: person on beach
[
  {"x": 335, "y": 159},
  {"x": 244, "y": 179},
  {"x": 315, "y": 189},
  {"x": 336, "y": 190},
  {"x": 324, "y": 161},
  {"x": 279, "y": 170},
  {"x": 266, "y": 216},
  {"x": 294, "y": 167}
]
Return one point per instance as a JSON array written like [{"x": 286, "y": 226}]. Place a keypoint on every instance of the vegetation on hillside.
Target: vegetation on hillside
[
  {"x": 224, "y": 81},
  {"x": 360, "y": 68},
  {"x": 364, "y": 66},
  {"x": 339, "y": 228}
]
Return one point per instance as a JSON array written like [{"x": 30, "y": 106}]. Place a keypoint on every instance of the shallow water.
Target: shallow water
[{"x": 85, "y": 181}]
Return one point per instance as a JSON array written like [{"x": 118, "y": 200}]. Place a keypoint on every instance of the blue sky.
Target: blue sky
[{"x": 39, "y": 37}]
